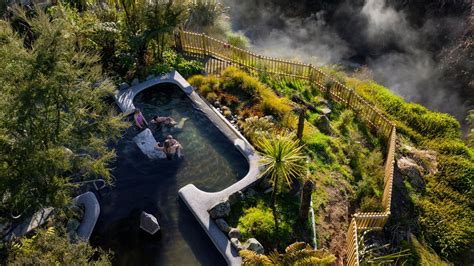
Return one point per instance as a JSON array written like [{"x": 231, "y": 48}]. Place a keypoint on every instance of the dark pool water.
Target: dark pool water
[{"x": 210, "y": 161}]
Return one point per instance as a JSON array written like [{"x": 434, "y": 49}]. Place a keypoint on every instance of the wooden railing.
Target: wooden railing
[{"x": 220, "y": 55}]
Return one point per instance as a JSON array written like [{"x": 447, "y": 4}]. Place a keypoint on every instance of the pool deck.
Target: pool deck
[{"x": 198, "y": 201}]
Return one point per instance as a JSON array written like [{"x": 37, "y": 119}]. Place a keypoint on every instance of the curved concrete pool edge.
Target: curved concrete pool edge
[{"x": 198, "y": 201}]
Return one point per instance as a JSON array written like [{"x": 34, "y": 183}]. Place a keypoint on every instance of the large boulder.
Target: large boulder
[
  {"x": 410, "y": 169},
  {"x": 149, "y": 223},
  {"x": 254, "y": 245},
  {"x": 222, "y": 225},
  {"x": 220, "y": 210},
  {"x": 236, "y": 244},
  {"x": 234, "y": 233}
]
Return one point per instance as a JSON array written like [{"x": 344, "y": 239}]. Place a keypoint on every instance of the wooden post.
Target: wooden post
[
  {"x": 301, "y": 118},
  {"x": 204, "y": 41},
  {"x": 351, "y": 95}
]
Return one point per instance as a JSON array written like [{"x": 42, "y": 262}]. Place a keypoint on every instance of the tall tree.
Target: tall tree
[
  {"x": 54, "y": 122},
  {"x": 283, "y": 160}
]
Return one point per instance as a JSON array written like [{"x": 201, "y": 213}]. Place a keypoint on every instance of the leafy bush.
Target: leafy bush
[
  {"x": 205, "y": 84},
  {"x": 450, "y": 147},
  {"x": 238, "y": 40},
  {"x": 446, "y": 221},
  {"x": 458, "y": 172},
  {"x": 257, "y": 222},
  {"x": 274, "y": 105},
  {"x": 172, "y": 61},
  {"x": 238, "y": 82},
  {"x": 52, "y": 247},
  {"x": 255, "y": 128}
]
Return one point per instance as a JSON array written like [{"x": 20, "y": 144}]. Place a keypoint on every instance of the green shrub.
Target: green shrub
[
  {"x": 371, "y": 204},
  {"x": 274, "y": 105},
  {"x": 187, "y": 68},
  {"x": 211, "y": 97},
  {"x": 238, "y": 82},
  {"x": 371, "y": 182},
  {"x": 255, "y": 128},
  {"x": 458, "y": 172},
  {"x": 238, "y": 40},
  {"x": 425, "y": 255},
  {"x": 450, "y": 147},
  {"x": 257, "y": 222},
  {"x": 446, "y": 221},
  {"x": 205, "y": 85}
]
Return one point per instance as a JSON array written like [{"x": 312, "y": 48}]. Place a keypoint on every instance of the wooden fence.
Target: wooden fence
[{"x": 220, "y": 55}]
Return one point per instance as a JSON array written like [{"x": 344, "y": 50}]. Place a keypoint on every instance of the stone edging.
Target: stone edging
[
  {"x": 198, "y": 201},
  {"x": 91, "y": 214}
]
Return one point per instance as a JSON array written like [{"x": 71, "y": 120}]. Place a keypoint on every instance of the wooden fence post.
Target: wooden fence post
[
  {"x": 204, "y": 43},
  {"x": 351, "y": 95},
  {"x": 301, "y": 118}
]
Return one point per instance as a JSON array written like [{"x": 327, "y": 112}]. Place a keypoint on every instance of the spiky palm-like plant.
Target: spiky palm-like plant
[
  {"x": 298, "y": 253},
  {"x": 282, "y": 157}
]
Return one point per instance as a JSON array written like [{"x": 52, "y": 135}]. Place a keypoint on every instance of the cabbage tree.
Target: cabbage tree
[{"x": 282, "y": 157}]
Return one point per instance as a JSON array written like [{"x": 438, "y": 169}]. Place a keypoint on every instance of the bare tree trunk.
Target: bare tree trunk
[
  {"x": 273, "y": 202},
  {"x": 305, "y": 203},
  {"x": 301, "y": 117}
]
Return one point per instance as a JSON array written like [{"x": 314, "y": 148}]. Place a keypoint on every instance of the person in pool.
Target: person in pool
[
  {"x": 170, "y": 148},
  {"x": 163, "y": 120},
  {"x": 169, "y": 123},
  {"x": 139, "y": 120}
]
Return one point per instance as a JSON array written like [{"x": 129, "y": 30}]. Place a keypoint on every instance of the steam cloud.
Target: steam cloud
[{"x": 399, "y": 55}]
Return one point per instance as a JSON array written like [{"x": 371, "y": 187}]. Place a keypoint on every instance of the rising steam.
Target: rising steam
[{"x": 400, "y": 56}]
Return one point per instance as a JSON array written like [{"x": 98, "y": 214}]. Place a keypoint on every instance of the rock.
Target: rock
[
  {"x": 149, "y": 223},
  {"x": 123, "y": 86},
  {"x": 325, "y": 110},
  {"x": 236, "y": 197},
  {"x": 413, "y": 171},
  {"x": 254, "y": 245},
  {"x": 135, "y": 81},
  {"x": 234, "y": 233},
  {"x": 427, "y": 159},
  {"x": 250, "y": 193},
  {"x": 323, "y": 124},
  {"x": 150, "y": 77},
  {"x": 236, "y": 244},
  {"x": 220, "y": 210},
  {"x": 72, "y": 225},
  {"x": 268, "y": 190},
  {"x": 222, "y": 225}
]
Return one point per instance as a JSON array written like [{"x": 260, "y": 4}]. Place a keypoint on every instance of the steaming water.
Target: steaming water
[
  {"x": 400, "y": 55},
  {"x": 210, "y": 162}
]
